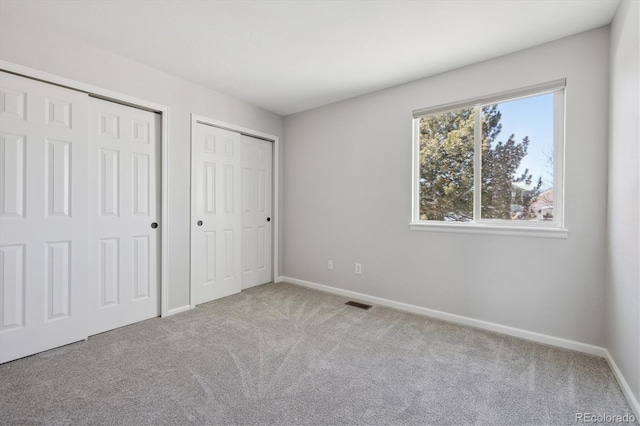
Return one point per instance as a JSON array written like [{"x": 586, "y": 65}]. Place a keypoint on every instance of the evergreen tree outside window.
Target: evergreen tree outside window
[{"x": 491, "y": 162}]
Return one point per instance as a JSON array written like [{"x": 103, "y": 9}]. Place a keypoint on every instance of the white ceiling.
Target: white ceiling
[{"x": 289, "y": 56}]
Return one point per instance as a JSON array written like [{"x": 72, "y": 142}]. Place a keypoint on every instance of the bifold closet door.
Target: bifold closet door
[
  {"x": 124, "y": 215},
  {"x": 256, "y": 211},
  {"x": 215, "y": 231},
  {"x": 43, "y": 216}
]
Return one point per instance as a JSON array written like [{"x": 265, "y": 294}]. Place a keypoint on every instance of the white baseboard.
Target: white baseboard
[
  {"x": 485, "y": 325},
  {"x": 626, "y": 390},
  {"x": 178, "y": 310},
  {"x": 457, "y": 319}
]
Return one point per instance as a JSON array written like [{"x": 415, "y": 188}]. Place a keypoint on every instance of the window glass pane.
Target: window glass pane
[
  {"x": 517, "y": 160},
  {"x": 446, "y": 166}
]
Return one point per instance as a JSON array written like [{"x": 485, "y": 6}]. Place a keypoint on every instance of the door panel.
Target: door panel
[
  {"x": 43, "y": 216},
  {"x": 216, "y": 229},
  {"x": 256, "y": 211},
  {"x": 124, "y": 164}
]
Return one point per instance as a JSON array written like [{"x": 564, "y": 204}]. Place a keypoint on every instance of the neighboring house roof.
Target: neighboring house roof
[
  {"x": 545, "y": 197},
  {"x": 543, "y": 202}
]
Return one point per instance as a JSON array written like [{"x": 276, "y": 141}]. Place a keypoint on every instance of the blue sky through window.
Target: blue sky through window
[{"x": 531, "y": 117}]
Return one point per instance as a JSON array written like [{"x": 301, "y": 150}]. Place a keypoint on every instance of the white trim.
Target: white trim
[
  {"x": 415, "y": 171},
  {"x": 79, "y": 86},
  {"x": 178, "y": 310},
  {"x": 192, "y": 209},
  {"x": 135, "y": 102},
  {"x": 276, "y": 193},
  {"x": 457, "y": 319},
  {"x": 559, "y": 129},
  {"x": 477, "y": 164},
  {"x": 626, "y": 390},
  {"x": 523, "y": 92},
  {"x": 488, "y": 229},
  {"x": 164, "y": 256}
]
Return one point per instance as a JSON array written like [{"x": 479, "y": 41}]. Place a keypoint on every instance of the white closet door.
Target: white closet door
[
  {"x": 124, "y": 209},
  {"x": 256, "y": 211},
  {"x": 43, "y": 216},
  {"x": 216, "y": 266}
]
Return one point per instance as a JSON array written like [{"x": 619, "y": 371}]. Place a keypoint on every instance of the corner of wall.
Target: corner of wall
[{"x": 622, "y": 305}]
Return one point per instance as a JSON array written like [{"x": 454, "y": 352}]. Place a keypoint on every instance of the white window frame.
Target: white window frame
[{"x": 548, "y": 229}]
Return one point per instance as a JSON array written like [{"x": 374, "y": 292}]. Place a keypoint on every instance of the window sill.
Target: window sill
[{"x": 488, "y": 229}]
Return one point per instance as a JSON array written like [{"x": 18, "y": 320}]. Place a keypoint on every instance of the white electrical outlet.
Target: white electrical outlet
[
  {"x": 358, "y": 269},
  {"x": 330, "y": 265}
]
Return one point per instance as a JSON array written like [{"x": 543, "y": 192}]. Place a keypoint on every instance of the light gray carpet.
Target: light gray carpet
[{"x": 282, "y": 354}]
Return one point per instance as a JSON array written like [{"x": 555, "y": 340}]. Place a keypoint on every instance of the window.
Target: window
[{"x": 492, "y": 165}]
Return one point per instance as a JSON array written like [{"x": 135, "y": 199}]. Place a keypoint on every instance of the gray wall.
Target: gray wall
[
  {"x": 24, "y": 44},
  {"x": 623, "y": 290},
  {"x": 348, "y": 198},
  {"x": 348, "y": 177}
]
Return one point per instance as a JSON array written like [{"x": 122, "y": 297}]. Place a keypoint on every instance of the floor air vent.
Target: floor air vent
[{"x": 358, "y": 305}]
